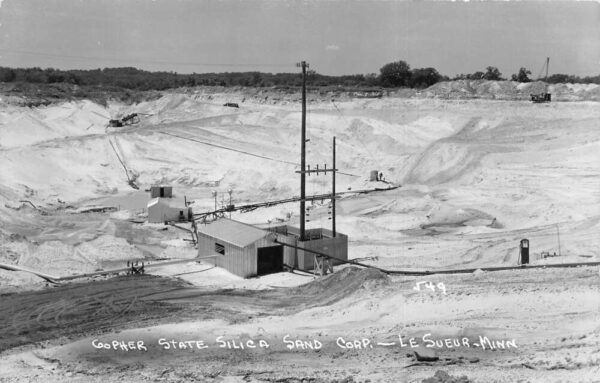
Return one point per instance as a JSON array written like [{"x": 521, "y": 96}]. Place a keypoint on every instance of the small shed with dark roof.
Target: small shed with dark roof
[{"x": 241, "y": 249}]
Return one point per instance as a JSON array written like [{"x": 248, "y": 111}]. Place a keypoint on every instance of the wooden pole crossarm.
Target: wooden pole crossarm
[{"x": 317, "y": 171}]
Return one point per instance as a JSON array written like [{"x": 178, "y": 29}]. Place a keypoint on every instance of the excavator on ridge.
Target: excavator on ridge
[{"x": 544, "y": 96}]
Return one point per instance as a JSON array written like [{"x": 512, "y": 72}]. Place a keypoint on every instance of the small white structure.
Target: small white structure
[{"x": 168, "y": 210}]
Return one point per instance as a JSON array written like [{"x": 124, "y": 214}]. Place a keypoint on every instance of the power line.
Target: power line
[
  {"x": 348, "y": 123},
  {"x": 231, "y": 149},
  {"x": 244, "y": 152}
]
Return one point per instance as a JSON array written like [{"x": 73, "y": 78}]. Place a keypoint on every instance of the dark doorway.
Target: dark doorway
[
  {"x": 270, "y": 260},
  {"x": 524, "y": 252},
  {"x": 162, "y": 192}
]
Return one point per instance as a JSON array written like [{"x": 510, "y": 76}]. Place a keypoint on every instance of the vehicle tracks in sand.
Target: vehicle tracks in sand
[{"x": 77, "y": 309}]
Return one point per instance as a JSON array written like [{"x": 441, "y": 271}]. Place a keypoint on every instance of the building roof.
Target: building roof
[
  {"x": 174, "y": 203},
  {"x": 234, "y": 232}
]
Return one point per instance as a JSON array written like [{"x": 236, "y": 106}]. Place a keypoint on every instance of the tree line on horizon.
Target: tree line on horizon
[{"x": 392, "y": 75}]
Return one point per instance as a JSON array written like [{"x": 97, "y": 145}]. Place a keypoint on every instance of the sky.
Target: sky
[{"x": 334, "y": 37}]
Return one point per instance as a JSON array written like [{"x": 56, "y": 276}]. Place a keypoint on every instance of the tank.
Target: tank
[{"x": 374, "y": 175}]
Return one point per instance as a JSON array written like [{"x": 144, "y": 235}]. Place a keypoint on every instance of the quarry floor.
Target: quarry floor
[
  {"x": 550, "y": 315},
  {"x": 476, "y": 177}
]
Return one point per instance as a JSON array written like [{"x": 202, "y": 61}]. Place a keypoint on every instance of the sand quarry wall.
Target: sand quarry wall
[
  {"x": 470, "y": 160},
  {"x": 459, "y": 89},
  {"x": 511, "y": 90},
  {"x": 427, "y": 141}
]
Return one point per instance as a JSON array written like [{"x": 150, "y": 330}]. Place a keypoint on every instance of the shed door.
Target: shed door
[{"x": 270, "y": 260}]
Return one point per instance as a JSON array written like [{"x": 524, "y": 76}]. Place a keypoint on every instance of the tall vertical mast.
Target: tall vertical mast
[
  {"x": 333, "y": 192},
  {"x": 304, "y": 65}
]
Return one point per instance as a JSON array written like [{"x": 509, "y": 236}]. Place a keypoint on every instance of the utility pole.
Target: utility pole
[
  {"x": 333, "y": 192},
  {"x": 304, "y": 65},
  {"x": 558, "y": 236},
  {"x": 303, "y": 170},
  {"x": 230, "y": 205}
]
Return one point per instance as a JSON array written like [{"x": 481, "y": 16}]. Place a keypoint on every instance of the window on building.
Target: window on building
[{"x": 219, "y": 248}]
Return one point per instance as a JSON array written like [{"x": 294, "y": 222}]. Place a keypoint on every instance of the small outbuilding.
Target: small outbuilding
[
  {"x": 374, "y": 175},
  {"x": 161, "y": 191},
  {"x": 320, "y": 240},
  {"x": 241, "y": 249},
  {"x": 168, "y": 210}
]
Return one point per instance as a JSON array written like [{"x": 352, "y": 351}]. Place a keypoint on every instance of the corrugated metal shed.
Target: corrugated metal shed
[
  {"x": 243, "y": 249},
  {"x": 234, "y": 232}
]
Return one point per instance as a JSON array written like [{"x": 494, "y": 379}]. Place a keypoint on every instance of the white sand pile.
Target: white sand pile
[
  {"x": 178, "y": 248},
  {"x": 57, "y": 258},
  {"x": 12, "y": 248},
  {"x": 17, "y": 281},
  {"x": 511, "y": 90},
  {"x": 342, "y": 284},
  {"x": 45, "y": 123},
  {"x": 108, "y": 248},
  {"x": 60, "y": 259},
  {"x": 442, "y": 162}
]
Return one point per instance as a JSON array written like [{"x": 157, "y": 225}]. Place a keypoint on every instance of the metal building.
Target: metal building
[
  {"x": 161, "y": 191},
  {"x": 317, "y": 239},
  {"x": 168, "y": 210},
  {"x": 242, "y": 249}
]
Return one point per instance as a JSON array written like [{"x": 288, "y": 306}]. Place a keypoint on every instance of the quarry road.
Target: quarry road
[
  {"x": 540, "y": 310},
  {"x": 74, "y": 309}
]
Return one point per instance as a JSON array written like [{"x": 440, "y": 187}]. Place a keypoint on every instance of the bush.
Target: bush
[
  {"x": 522, "y": 76},
  {"x": 492, "y": 73},
  {"x": 395, "y": 74}
]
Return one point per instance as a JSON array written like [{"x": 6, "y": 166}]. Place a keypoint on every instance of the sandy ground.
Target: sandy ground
[
  {"x": 477, "y": 176},
  {"x": 559, "y": 343}
]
